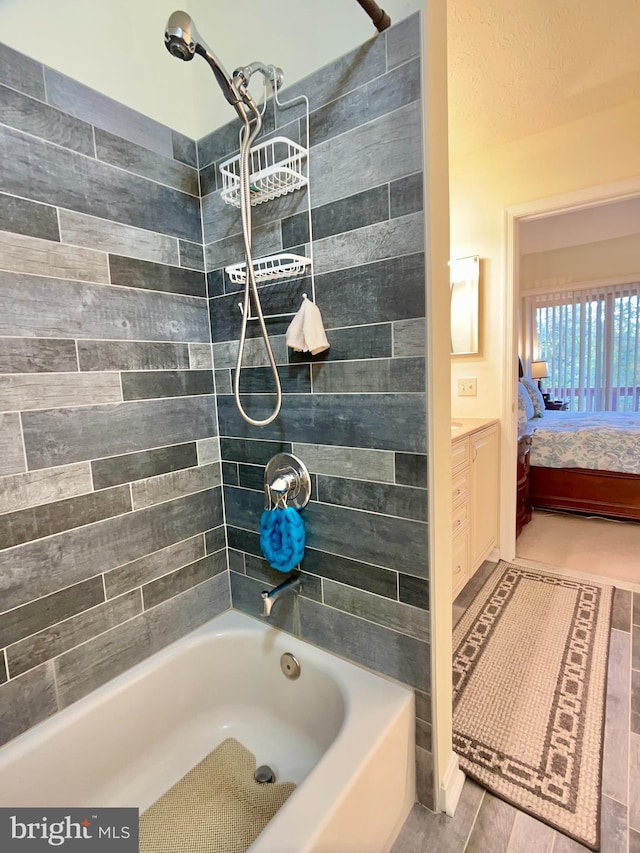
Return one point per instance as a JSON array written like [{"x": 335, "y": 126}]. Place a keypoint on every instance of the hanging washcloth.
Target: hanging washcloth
[
  {"x": 313, "y": 329},
  {"x": 282, "y": 538},
  {"x": 306, "y": 330},
  {"x": 295, "y": 334}
]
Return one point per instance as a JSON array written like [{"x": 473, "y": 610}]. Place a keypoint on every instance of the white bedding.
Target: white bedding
[{"x": 607, "y": 441}]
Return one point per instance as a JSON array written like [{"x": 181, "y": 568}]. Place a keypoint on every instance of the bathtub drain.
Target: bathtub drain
[{"x": 264, "y": 774}]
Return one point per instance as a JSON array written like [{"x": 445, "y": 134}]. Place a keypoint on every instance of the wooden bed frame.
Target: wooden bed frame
[{"x": 587, "y": 491}]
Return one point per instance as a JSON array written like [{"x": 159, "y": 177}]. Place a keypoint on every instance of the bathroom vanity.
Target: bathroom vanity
[{"x": 475, "y": 461}]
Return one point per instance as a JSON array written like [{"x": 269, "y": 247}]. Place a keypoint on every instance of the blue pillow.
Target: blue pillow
[
  {"x": 525, "y": 406},
  {"x": 535, "y": 395}
]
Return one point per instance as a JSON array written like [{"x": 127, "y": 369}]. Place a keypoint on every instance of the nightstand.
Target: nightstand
[
  {"x": 523, "y": 506},
  {"x": 556, "y": 405}
]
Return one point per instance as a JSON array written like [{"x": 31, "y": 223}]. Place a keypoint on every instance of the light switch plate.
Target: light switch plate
[{"x": 468, "y": 386}]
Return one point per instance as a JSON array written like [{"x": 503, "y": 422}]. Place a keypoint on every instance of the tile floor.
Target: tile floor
[{"x": 485, "y": 824}]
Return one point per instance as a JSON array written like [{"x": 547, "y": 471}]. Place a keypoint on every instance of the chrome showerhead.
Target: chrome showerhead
[
  {"x": 182, "y": 40},
  {"x": 178, "y": 37}
]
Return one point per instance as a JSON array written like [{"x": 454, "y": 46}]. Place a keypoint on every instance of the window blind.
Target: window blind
[{"x": 590, "y": 339}]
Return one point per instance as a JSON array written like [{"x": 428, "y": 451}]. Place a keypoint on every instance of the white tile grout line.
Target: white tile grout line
[
  {"x": 95, "y": 159},
  {"x": 123, "y": 565},
  {"x": 23, "y": 444},
  {"x": 101, "y": 605},
  {"x": 215, "y": 389}
]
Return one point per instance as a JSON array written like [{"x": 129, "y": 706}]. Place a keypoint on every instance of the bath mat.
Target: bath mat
[
  {"x": 529, "y": 691},
  {"x": 217, "y": 807}
]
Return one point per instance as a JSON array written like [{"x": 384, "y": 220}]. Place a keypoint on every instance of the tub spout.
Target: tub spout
[{"x": 292, "y": 583}]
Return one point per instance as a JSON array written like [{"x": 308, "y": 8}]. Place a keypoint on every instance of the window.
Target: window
[{"x": 590, "y": 339}]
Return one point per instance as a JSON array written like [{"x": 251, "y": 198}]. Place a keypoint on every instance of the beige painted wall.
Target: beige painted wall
[
  {"x": 597, "y": 261},
  {"x": 116, "y": 46},
  {"x": 598, "y": 149}
]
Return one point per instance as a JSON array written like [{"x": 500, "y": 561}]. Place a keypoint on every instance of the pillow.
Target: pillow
[
  {"x": 525, "y": 406},
  {"x": 535, "y": 395}
]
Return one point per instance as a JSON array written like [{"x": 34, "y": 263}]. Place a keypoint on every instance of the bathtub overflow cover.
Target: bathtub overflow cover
[{"x": 290, "y": 666}]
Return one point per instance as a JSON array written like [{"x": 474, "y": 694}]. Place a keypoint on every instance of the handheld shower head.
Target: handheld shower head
[
  {"x": 177, "y": 36},
  {"x": 182, "y": 40}
]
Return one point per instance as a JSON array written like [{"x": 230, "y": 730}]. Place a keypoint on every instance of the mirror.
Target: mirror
[{"x": 465, "y": 279}]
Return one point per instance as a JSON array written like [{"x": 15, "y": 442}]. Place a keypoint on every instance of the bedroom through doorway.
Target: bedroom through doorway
[{"x": 576, "y": 308}]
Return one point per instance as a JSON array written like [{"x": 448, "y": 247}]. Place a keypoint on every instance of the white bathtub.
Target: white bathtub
[{"x": 344, "y": 735}]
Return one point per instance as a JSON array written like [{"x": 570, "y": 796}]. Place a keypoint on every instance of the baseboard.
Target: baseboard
[
  {"x": 451, "y": 786},
  {"x": 494, "y": 556}
]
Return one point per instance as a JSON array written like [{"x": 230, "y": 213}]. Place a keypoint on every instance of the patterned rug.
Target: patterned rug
[
  {"x": 216, "y": 808},
  {"x": 529, "y": 690}
]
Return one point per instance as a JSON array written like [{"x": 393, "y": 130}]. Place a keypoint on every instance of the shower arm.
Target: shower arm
[{"x": 381, "y": 20}]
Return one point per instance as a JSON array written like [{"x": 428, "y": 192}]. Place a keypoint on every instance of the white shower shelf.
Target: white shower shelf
[
  {"x": 276, "y": 168},
  {"x": 270, "y": 268}
]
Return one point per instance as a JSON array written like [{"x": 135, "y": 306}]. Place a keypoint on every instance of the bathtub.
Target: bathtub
[{"x": 344, "y": 735}]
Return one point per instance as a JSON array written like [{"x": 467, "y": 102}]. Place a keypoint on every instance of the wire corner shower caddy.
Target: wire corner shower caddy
[
  {"x": 276, "y": 168},
  {"x": 259, "y": 174}
]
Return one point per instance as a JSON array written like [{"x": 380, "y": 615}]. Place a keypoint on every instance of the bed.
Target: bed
[{"x": 586, "y": 462}]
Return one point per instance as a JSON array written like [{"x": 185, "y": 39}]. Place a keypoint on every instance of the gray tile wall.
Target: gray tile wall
[
  {"x": 111, "y": 524},
  {"x": 356, "y": 415}
]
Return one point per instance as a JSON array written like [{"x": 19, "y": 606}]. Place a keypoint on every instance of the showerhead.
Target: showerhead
[
  {"x": 178, "y": 38},
  {"x": 182, "y": 40},
  {"x": 178, "y": 48}
]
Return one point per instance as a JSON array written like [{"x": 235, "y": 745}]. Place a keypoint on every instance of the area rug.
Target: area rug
[
  {"x": 217, "y": 807},
  {"x": 529, "y": 692}
]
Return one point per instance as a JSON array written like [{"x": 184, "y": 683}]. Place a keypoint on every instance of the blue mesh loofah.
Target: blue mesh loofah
[{"x": 282, "y": 538}]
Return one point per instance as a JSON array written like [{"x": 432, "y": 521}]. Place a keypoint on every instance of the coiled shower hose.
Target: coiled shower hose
[{"x": 247, "y": 137}]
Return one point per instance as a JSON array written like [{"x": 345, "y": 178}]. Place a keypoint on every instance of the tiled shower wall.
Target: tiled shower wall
[
  {"x": 110, "y": 495},
  {"x": 355, "y": 415},
  {"x": 112, "y": 527}
]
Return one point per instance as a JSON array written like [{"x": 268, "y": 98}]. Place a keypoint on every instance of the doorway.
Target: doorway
[{"x": 514, "y": 216}]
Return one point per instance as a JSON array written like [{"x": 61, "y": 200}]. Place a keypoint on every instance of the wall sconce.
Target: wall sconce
[{"x": 539, "y": 370}]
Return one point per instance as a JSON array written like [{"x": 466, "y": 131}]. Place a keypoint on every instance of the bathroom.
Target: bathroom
[{"x": 132, "y": 488}]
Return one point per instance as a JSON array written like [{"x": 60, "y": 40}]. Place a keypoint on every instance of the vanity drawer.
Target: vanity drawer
[
  {"x": 460, "y": 455},
  {"x": 459, "y": 562},
  {"x": 460, "y": 486},
  {"x": 460, "y": 517}
]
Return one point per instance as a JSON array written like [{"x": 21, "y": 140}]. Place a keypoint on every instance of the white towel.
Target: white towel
[
  {"x": 295, "y": 334},
  {"x": 306, "y": 330},
  {"x": 313, "y": 328}
]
